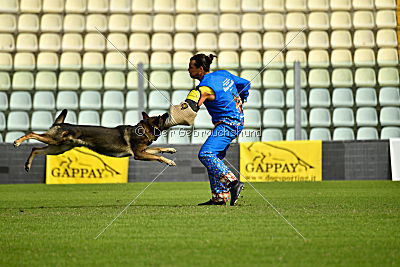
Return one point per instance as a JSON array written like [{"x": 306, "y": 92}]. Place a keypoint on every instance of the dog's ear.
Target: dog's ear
[
  {"x": 145, "y": 116},
  {"x": 61, "y": 117}
]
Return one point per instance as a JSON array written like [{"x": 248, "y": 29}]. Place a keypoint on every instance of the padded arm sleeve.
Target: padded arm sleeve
[{"x": 181, "y": 114}]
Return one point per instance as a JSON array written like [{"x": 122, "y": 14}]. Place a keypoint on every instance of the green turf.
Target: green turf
[{"x": 345, "y": 223}]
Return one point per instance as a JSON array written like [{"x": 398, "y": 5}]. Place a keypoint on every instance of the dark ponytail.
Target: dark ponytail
[{"x": 201, "y": 60}]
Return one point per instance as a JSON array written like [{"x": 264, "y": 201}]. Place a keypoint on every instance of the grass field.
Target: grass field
[{"x": 345, "y": 223}]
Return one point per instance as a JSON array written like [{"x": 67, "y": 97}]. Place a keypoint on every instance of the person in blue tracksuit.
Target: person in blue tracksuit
[{"x": 223, "y": 94}]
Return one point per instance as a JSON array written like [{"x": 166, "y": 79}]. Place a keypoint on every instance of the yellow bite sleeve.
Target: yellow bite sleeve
[
  {"x": 194, "y": 95},
  {"x": 206, "y": 89}
]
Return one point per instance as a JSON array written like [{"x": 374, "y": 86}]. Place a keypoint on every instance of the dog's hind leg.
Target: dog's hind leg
[
  {"x": 40, "y": 137},
  {"x": 47, "y": 150},
  {"x": 35, "y": 151},
  {"x": 156, "y": 150}
]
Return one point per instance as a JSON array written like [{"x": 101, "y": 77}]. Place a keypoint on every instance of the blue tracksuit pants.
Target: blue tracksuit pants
[{"x": 211, "y": 154}]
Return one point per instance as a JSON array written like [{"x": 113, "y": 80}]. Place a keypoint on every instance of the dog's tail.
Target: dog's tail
[{"x": 61, "y": 117}]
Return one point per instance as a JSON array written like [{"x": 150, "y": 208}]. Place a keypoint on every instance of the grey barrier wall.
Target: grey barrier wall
[
  {"x": 356, "y": 160},
  {"x": 341, "y": 160}
]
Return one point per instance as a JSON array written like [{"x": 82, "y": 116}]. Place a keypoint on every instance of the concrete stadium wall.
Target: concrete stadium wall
[
  {"x": 341, "y": 160},
  {"x": 356, "y": 160}
]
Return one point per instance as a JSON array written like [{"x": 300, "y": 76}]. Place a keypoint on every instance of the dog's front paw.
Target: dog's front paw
[
  {"x": 170, "y": 150},
  {"x": 16, "y": 144},
  {"x": 171, "y": 163}
]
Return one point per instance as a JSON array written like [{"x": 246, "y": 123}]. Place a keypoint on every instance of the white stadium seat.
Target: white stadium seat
[
  {"x": 274, "y": 22},
  {"x": 363, "y": 20},
  {"x": 206, "y": 41},
  {"x": 118, "y": 23},
  {"x": 139, "y": 42},
  {"x": 7, "y": 42},
  {"x": 161, "y": 42},
  {"x": 341, "y": 58},
  {"x": 141, "y": 23},
  {"x": 364, "y": 57},
  {"x": 387, "y": 57},
  {"x": 318, "y": 59},
  {"x": 93, "y": 61},
  {"x": 185, "y": 6},
  {"x": 74, "y": 23},
  {"x": 228, "y": 60},
  {"x": 6, "y": 61},
  {"x": 364, "y": 39},
  {"x": 295, "y": 5},
  {"x": 363, "y": 4},
  {"x": 318, "y": 40},
  {"x": 135, "y": 58},
  {"x": 342, "y": 97},
  {"x": 340, "y": 4},
  {"x": 8, "y": 23},
  {"x": 386, "y": 38},
  {"x": 160, "y": 60},
  {"x": 295, "y": 40},
  {"x": 388, "y": 76},
  {"x": 91, "y": 80},
  {"x": 51, "y": 23},
  {"x": 166, "y": 6},
  {"x": 163, "y": 23},
  {"x": 250, "y": 59},
  {"x": 120, "y": 6},
  {"x": 50, "y": 42},
  {"x": 318, "y": 21},
  {"x": 28, "y": 23},
  {"x": 273, "y": 40},
  {"x": 75, "y": 6},
  {"x": 251, "y": 41},
  {"x": 341, "y": 39},
  {"x": 207, "y": 23},
  {"x": 72, "y": 42},
  {"x": 184, "y": 41},
  {"x": 342, "y": 77},
  {"x": 142, "y": 6},
  {"x": 27, "y": 42},
  {"x": 229, "y": 5},
  {"x": 295, "y": 21},
  {"x": 319, "y": 78},
  {"x": 296, "y": 55},
  {"x": 365, "y": 77},
  {"x": 185, "y": 23},
  {"x": 10, "y": 6},
  {"x": 274, "y": 5},
  {"x": 24, "y": 61},
  {"x": 96, "y": 22},
  {"x": 229, "y": 22},
  {"x": 97, "y": 6},
  {"x": 228, "y": 41},
  {"x": 252, "y": 22},
  {"x": 340, "y": 20},
  {"x": 115, "y": 61},
  {"x": 252, "y": 5},
  {"x": 274, "y": 59}
]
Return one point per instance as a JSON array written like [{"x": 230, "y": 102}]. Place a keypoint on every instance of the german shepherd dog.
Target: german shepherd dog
[{"x": 121, "y": 141}]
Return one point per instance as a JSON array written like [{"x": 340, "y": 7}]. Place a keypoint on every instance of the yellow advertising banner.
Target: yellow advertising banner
[
  {"x": 84, "y": 166},
  {"x": 281, "y": 161}
]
